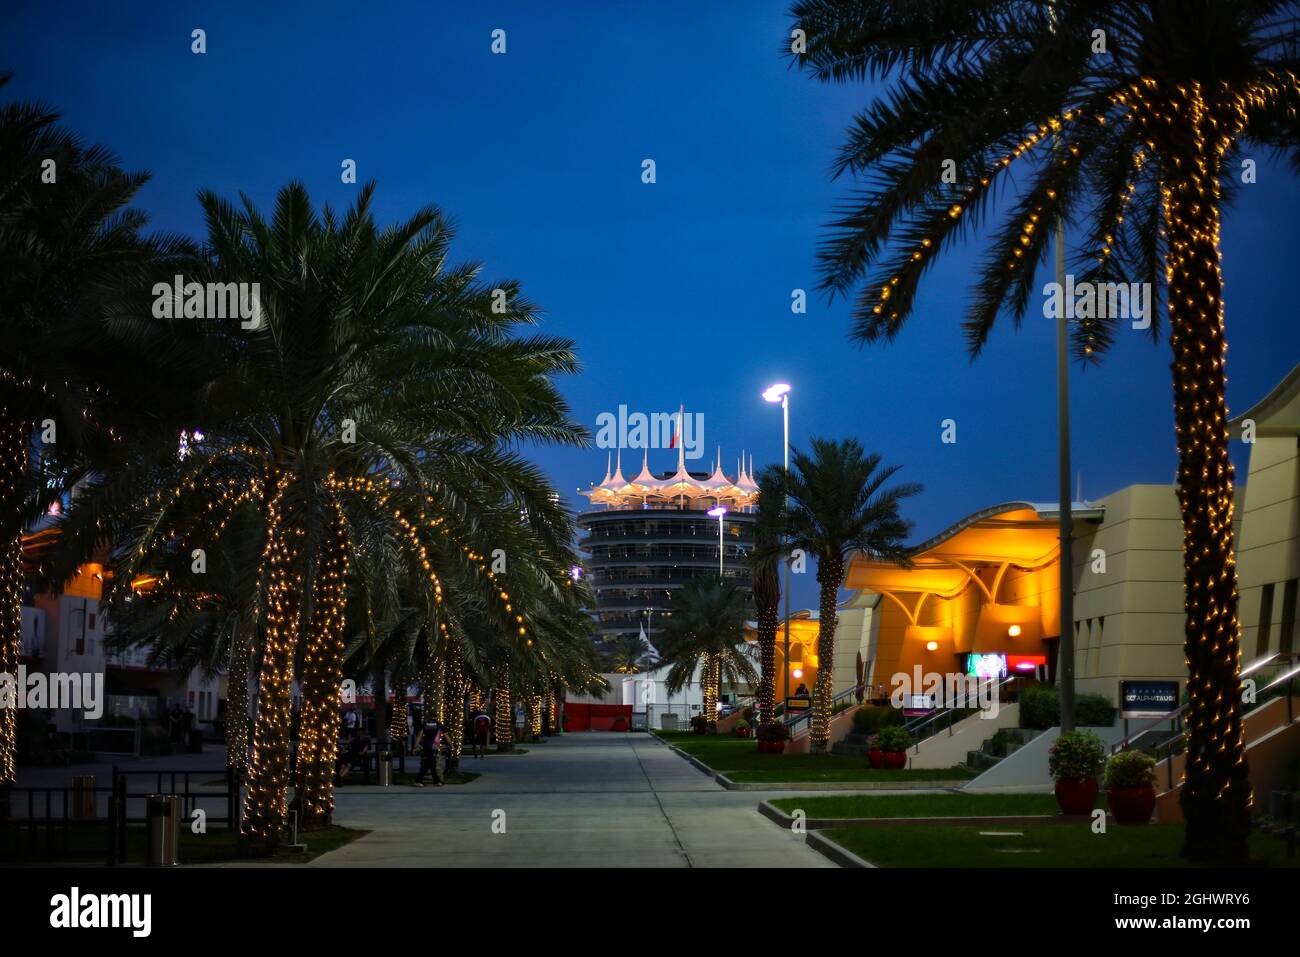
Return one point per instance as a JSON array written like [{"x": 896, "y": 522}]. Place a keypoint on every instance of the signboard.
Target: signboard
[
  {"x": 918, "y": 704},
  {"x": 1147, "y": 699},
  {"x": 798, "y": 704}
]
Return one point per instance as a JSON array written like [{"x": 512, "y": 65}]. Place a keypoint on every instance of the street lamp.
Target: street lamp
[
  {"x": 718, "y": 512},
  {"x": 780, "y": 392}
]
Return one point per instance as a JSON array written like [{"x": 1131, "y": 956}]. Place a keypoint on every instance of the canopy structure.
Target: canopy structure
[{"x": 680, "y": 489}]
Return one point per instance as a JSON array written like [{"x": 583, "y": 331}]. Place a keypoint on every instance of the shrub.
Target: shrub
[
  {"x": 1000, "y": 742},
  {"x": 1076, "y": 756},
  {"x": 1093, "y": 711},
  {"x": 741, "y": 725},
  {"x": 773, "y": 731},
  {"x": 698, "y": 722},
  {"x": 1040, "y": 708},
  {"x": 869, "y": 719},
  {"x": 893, "y": 738},
  {"x": 1130, "y": 769}
]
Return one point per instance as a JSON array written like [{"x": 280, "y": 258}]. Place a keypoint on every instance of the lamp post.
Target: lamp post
[
  {"x": 780, "y": 392},
  {"x": 719, "y": 512}
]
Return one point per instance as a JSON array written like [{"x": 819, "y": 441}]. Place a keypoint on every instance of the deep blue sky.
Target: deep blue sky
[{"x": 677, "y": 292}]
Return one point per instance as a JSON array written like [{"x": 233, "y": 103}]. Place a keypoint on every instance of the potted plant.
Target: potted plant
[
  {"x": 772, "y": 738},
  {"x": 892, "y": 743},
  {"x": 699, "y": 725},
  {"x": 1130, "y": 786},
  {"x": 741, "y": 730},
  {"x": 1074, "y": 762}
]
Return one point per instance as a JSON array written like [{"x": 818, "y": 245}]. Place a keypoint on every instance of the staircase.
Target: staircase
[
  {"x": 852, "y": 744},
  {"x": 992, "y": 751}
]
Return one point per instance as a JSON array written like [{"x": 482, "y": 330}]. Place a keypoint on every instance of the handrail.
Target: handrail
[
  {"x": 1176, "y": 714},
  {"x": 791, "y": 721},
  {"x": 948, "y": 711}
]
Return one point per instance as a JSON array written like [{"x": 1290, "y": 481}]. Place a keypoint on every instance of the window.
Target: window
[
  {"x": 1288, "y": 617},
  {"x": 1265, "y": 621}
]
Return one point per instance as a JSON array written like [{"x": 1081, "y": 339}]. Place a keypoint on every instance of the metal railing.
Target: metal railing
[
  {"x": 792, "y": 721},
  {"x": 946, "y": 716}
]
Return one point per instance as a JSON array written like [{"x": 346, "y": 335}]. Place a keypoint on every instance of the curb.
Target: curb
[
  {"x": 774, "y": 813},
  {"x": 841, "y": 856},
  {"x": 902, "y": 788}
]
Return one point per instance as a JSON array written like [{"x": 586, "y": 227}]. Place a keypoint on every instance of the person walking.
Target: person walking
[
  {"x": 430, "y": 744},
  {"x": 482, "y": 728}
]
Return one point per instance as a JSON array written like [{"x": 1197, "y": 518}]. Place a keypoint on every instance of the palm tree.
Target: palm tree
[
  {"x": 372, "y": 410},
  {"x": 71, "y": 244},
  {"x": 831, "y": 503},
  {"x": 706, "y": 631},
  {"x": 627, "y": 655},
  {"x": 1132, "y": 118}
]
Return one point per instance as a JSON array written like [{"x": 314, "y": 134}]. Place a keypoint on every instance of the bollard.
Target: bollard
[
  {"x": 163, "y": 815},
  {"x": 385, "y": 769}
]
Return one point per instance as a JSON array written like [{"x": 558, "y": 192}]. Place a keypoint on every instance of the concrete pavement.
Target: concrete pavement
[{"x": 580, "y": 800}]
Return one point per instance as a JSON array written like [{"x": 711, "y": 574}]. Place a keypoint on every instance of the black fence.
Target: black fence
[{"x": 61, "y": 821}]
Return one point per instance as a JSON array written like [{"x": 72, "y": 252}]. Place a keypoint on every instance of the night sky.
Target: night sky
[{"x": 676, "y": 292}]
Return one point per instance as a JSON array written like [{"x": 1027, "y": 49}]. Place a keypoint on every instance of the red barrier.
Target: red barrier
[{"x": 598, "y": 717}]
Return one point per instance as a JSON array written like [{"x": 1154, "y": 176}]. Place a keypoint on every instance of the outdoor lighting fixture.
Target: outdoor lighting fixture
[
  {"x": 775, "y": 393},
  {"x": 1014, "y": 631},
  {"x": 798, "y": 672},
  {"x": 932, "y": 646},
  {"x": 575, "y": 572},
  {"x": 718, "y": 512}
]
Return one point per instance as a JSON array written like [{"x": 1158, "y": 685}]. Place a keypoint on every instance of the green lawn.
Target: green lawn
[
  {"x": 738, "y": 759},
  {"x": 1033, "y": 845},
  {"x": 920, "y": 805}
]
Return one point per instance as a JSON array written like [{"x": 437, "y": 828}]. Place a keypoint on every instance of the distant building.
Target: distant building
[{"x": 648, "y": 537}]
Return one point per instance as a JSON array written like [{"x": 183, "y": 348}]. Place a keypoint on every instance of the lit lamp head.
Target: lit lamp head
[
  {"x": 717, "y": 511},
  {"x": 798, "y": 673},
  {"x": 1014, "y": 631},
  {"x": 575, "y": 572},
  {"x": 932, "y": 646},
  {"x": 775, "y": 393}
]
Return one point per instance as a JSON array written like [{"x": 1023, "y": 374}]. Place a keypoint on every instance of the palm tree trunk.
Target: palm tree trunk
[
  {"x": 767, "y": 598},
  {"x": 505, "y": 716},
  {"x": 535, "y": 716},
  {"x": 322, "y": 673},
  {"x": 237, "y": 723},
  {"x": 453, "y": 705},
  {"x": 709, "y": 688},
  {"x": 13, "y": 473},
  {"x": 830, "y": 574},
  {"x": 268, "y": 778},
  {"x": 1216, "y": 795}
]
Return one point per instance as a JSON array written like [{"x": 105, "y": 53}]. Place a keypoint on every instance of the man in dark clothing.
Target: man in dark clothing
[{"x": 429, "y": 742}]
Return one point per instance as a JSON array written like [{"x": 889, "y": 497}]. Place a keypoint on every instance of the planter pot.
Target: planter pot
[
  {"x": 698, "y": 729},
  {"x": 742, "y": 732},
  {"x": 893, "y": 760},
  {"x": 771, "y": 747},
  {"x": 876, "y": 758},
  {"x": 1076, "y": 796},
  {"x": 1132, "y": 805}
]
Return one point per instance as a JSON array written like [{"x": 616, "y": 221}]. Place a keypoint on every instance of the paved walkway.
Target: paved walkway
[{"x": 580, "y": 800}]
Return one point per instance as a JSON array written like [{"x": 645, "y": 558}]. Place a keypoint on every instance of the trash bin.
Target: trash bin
[
  {"x": 385, "y": 768},
  {"x": 83, "y": 795},
  {"x": 163, "y": 815}
]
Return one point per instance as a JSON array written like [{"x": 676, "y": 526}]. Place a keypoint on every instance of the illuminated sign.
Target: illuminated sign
[
  {"x": 1147, "y": 699},
  {"x": 986, "y": 666}
]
